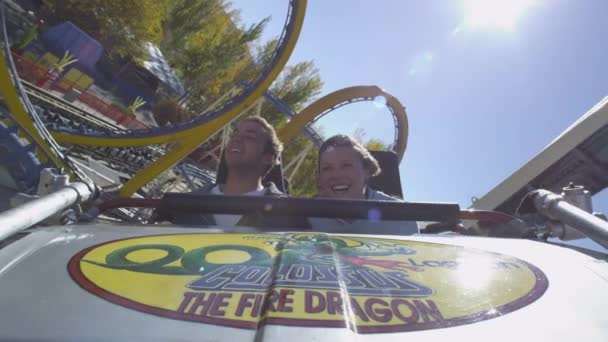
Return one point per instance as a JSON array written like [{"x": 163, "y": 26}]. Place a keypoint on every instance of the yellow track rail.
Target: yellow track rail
[
  {"x": 184, "y": 141},
  {"x": 14, "y": 105},
  {"x": 329, "y": 101}
]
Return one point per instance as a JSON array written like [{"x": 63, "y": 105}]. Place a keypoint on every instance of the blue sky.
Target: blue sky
[{"x": 481, "y": 101}]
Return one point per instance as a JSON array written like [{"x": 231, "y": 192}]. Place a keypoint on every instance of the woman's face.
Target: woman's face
[{"x": 341, "y": 174}]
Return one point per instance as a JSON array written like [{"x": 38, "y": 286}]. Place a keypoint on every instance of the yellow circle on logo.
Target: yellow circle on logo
[{"x": 370, "y": 285}]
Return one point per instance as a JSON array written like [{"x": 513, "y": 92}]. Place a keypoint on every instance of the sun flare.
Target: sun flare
[{"x": 495, "y": 15}]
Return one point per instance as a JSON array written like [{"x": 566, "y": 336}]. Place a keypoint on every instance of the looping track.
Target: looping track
[{"x": 185, "y": 137}]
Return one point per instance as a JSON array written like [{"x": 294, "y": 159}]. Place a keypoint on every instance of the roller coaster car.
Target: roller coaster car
[{"x": 166, "y": 282}]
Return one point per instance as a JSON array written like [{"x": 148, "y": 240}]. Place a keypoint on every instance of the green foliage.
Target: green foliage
[
  {"x": 211, "y": 52},
  {"x": 371, "y": 144},
  {"x": 376, "y": 144},
  {"x": 297, "y": 85},
  {"x": 204, "y": 42},
  {"x": 122, "y": 27}
]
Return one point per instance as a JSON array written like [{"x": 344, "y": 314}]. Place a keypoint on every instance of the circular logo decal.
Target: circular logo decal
[{"x": 368, "y": 285}]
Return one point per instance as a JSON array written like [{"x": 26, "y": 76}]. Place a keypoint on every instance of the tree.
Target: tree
[
  {"x": 213, "y": 53},
  {"x": 376, "y": 144},
  {"x": 122, "y": 27},
  {"x": 371, "y": 144},
  {"x": 209, "y": 49},
  {"x": 297, "y": 85}
]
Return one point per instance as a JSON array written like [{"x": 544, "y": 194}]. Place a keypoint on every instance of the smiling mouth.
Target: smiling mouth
[{"x": 340, "y": 189}]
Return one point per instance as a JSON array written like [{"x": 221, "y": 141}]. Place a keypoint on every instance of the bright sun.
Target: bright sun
[{"x": 500, "y": 15}]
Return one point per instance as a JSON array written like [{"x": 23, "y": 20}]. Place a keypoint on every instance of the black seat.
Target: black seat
[
  {"x": 274, "y": 176},
  {"x": 389, "y": 180}
]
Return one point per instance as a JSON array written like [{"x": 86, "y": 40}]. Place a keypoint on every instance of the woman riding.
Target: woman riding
[{"x": 344, "y": 169}]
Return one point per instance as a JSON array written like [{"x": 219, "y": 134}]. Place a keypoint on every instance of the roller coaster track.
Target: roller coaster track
[
  {"x": 311, "y": 114},
  {"x": 187, "y": 136},
  {"x": 345, "y": 96},
  {"x": 21, "y": 122},
  {"x": 309, "y": 131},
  {"x": 302, "y": 122},
  {"x": 215, "y": 119},
  {"x": 67, "y": 109}
]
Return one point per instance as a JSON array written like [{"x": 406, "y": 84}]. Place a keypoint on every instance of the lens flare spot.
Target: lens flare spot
[
  {"x": 374, "y": 215},
  {"x": 379, "y": 101}
]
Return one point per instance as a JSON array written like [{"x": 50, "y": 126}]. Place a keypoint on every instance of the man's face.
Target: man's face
[
  {"x": 341, "y": 174},
  {"x": 246, "y": 148}
]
